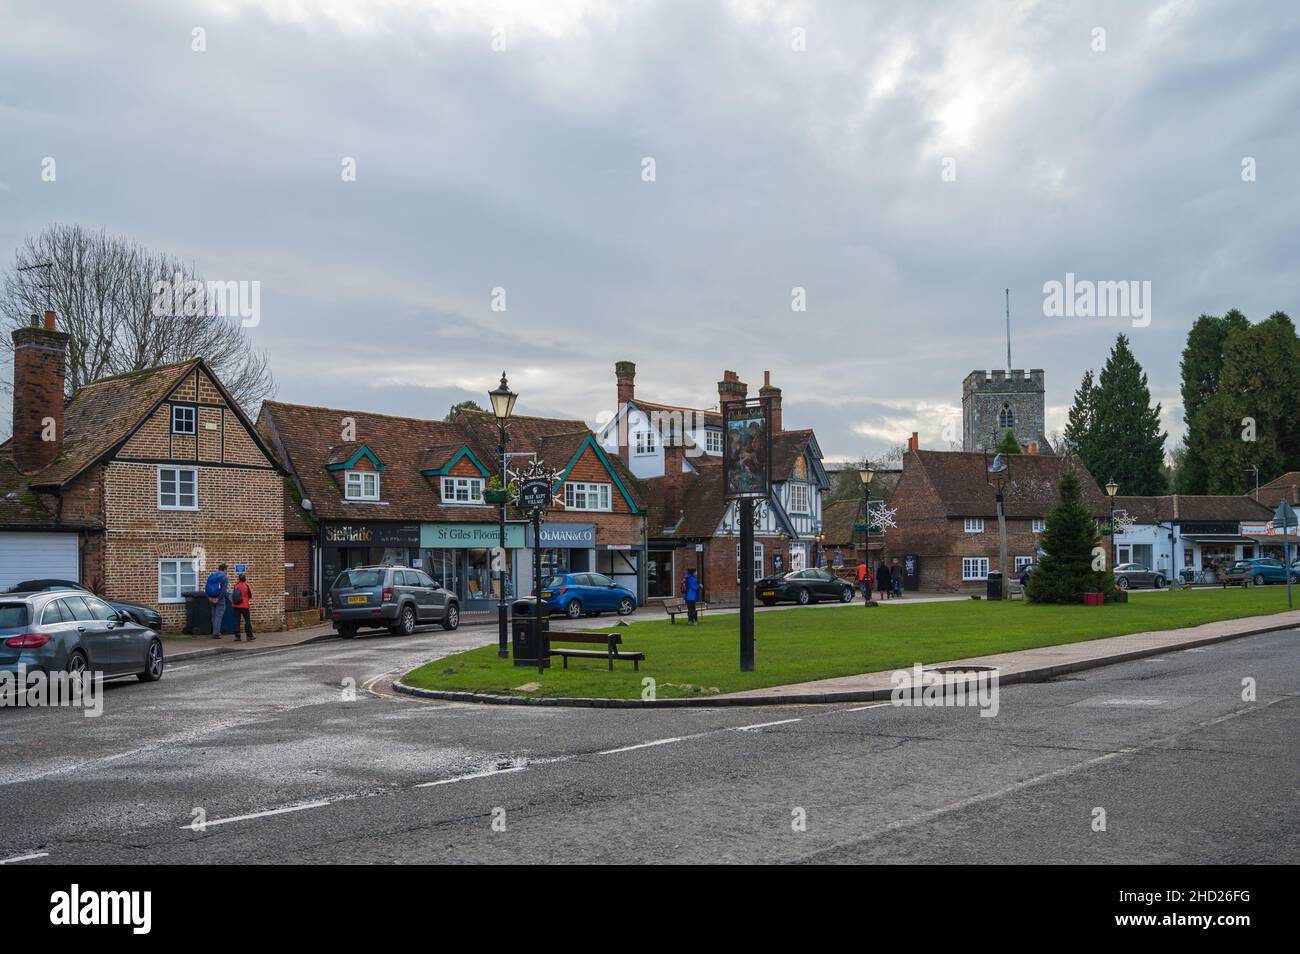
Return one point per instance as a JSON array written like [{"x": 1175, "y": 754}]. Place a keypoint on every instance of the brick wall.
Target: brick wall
[{"x": 297, "y": 578}]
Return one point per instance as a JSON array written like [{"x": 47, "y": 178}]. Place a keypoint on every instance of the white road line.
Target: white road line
[
  {"x": 31, "y": 857},
  {"x": 874, "y": 705},
  {"x": 763, "y": 725},
  {"x": 472, "y": 775},
  {"x": 641, "y": 745},
  {"x": 238, "y": 818}
]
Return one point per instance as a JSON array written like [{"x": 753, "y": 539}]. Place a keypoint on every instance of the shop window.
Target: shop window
[{"x": 361, "y": 485}]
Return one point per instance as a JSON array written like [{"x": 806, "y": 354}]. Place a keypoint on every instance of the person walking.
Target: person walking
[
  {"x": 884, "y": 583},
  {"x": 691, "y": 594},
  {"x": 896, "y": 577},
  {"x": 217, "y": 590},
  {"x": 864, "y": 583},
  {"x": 241, "y": 601}
]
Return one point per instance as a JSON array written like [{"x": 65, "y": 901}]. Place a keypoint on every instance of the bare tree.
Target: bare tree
[{"x": 104, "y": 289}]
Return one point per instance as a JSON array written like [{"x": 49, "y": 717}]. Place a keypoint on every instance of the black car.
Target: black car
[
  {"x": 146, "y": 616},
  {"x": 803, "y": 587}
]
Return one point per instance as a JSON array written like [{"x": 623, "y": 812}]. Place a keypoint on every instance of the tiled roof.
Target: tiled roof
[
  {"x": 23, "y": 508},
  {"x": 838, "y": 519},
  {"x": 966, "y": 489},
  {"x": 104, "y": 413},
  {"x": 1286, "y": 487},
  {"x": 1189, "y": 507},
  {"x": 788, "y": 447},
  {"x": 710, "y": 417}
]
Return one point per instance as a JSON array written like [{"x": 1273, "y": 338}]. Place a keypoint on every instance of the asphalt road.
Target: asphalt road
[{"x": 286, "y": 767}]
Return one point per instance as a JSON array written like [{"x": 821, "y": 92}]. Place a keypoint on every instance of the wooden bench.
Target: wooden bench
[
  {"x": 609, "y": 640},
  {"x": 675, "y": 607}
]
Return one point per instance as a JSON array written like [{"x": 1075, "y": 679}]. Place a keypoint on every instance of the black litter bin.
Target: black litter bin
[
  {"x": 530, "y": 646},
  {"x": 198, "y": 615},
  {"x": 995, "y": 586}
]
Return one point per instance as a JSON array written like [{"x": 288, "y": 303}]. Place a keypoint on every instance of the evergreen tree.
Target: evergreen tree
[
  {"x": 1201, "y": 367},
  {"x": 1065, "y": 569},
  {"x": 1010, "y": 444},
  {"x": 1078, "y": 427},
  {"x": 1251, "y": 420},
  {"x": 1126, "y": 444}
]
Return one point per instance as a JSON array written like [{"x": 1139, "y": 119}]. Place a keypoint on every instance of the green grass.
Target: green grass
[{"x": 798, "y": 645}]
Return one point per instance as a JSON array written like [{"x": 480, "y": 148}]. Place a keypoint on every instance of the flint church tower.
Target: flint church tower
[{"x": 994, "y": 402}]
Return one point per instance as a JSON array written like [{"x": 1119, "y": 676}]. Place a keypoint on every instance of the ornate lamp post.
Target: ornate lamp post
[
  {"x": 503, "y": 404},
  {"x": 1112, "y": 489},
  {"x": 865, "y": 475}
]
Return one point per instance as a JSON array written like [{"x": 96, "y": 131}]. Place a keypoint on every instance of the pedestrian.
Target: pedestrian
[
  {"x": 216, "y": 588},
  {"x": 883, "y": 582},
  {"x": 691, "y": 594},
  {"x": 863, "y": 583},
  {"x": 241, "y": 600},
  {"x": 896, "y": 577}
]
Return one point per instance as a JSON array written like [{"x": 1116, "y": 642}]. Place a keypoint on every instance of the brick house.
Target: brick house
[
  {"x": 409, "y": 491},
  {"x": 946, "y": 513},
  {"x": 160, "y": 472},
  {"x": 677, "y": 458}
]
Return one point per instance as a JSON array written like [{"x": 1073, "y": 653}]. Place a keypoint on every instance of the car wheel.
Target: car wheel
[
  {"x": 1259, "y": 579},
  {"x": 153, "y": 663},
  {"x": 1161, "y": 582},
  {"x": 1122, "y": 582},
  {"x": 626, "y": 606},
  {"x": 451, "y": 619},
  {"x": 574, "y": 609},
  {"x": 348, "y": 632},
  {"x": 405, "y": 622},
  {"x": 804, "y": 598},
  {"x": 846, "y": 596},
  {"x": 77, "y": 662}
]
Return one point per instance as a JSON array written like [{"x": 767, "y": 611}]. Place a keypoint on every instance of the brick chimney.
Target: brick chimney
[
  {"x": 914, "y": 442},
  {"x": 773, "y": 395},
  {"x": 40, "y": 362},
  {"x": 731, "y": 388},
  {"x": 625, "y": 376},
  {"x": 674, "y": 481}
]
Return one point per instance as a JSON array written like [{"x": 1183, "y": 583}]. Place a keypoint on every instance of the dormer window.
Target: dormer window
[
  {"x": 182, "y": 419},
  {"x": 462, "y": 490},
  {"x": 361, "y": 485}
]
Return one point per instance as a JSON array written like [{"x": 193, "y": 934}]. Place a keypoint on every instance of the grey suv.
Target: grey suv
[{"x": 397, "y": 597}]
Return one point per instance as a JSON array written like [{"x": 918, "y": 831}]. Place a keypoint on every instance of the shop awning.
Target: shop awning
[
  {"x": 1216, "y": 538},
  {"x": 1277, "y": 539}
]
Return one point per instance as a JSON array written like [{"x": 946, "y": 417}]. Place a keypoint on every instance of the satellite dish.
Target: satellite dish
[{"x": 306, "y": 504}]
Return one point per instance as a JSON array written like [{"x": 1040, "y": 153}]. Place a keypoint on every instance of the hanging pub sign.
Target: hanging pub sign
[
  {"x": 535, "y": 494},
  {"x": 747, "y": 449}
]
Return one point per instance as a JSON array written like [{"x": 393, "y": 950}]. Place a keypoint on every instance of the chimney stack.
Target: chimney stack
[
  {"x": 914, "y": 442},
  {"x": 625, "y": 376},
  {"x": 731, "y": 388},
  {"x": 40, "y": 363},
  {"x": 674, "y": 481},
  {"x": 773, "y": 395}
]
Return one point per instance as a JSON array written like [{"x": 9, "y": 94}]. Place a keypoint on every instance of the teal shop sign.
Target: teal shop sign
[{"x": 457, "y": 536}]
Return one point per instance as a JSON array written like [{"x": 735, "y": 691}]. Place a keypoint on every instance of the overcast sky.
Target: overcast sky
[{"x": 795, "y": 145}]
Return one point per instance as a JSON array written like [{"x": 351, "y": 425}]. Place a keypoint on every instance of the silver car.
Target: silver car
[
  {"x": 75, "y": 632},
  {"x": 398, "y": 598}
]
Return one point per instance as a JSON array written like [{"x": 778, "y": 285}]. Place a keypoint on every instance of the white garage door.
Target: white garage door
[{"x": 35, "y": 556}]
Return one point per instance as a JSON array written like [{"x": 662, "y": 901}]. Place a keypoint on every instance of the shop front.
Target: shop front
[
  {"x": 583, "y": 548},
  {"x": 373, "y": 543},
  {"x": 459, "y": 556}
]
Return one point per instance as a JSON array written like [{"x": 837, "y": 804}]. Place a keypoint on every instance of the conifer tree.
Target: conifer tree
[{"x": 1065, "y": 569}]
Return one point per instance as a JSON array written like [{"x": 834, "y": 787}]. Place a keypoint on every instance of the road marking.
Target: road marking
[
  {"x": 763, "y": 725},
  {"x": 472, "y": 775},
  {"x": 874, "y": 705},
  {"x": 31, "y": 857},
  {"x": 641, "y": 745},
  {"x": 249, "y": 817}
]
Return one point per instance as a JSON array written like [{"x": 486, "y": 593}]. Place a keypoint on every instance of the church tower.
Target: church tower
[{"x": 994, "y": 402}]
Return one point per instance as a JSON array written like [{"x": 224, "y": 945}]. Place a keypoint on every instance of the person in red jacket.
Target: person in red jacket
[
  {"x": 241, "y": 601},
  {"x": 864, "y": 580}
]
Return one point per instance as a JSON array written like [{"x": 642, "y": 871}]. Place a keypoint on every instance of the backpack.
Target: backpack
[{"x": 212, "y": 589}]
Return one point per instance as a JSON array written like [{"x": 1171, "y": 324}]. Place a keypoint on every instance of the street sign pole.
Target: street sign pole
[
  {"x": 1286, "y": 516},
  {"x": 746, "y": 561}
]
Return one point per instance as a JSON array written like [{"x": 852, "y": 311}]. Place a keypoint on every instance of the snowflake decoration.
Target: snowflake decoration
[
  {"x": 535, "y": 470},
  {"x": 881, "y": 516},
  {"x": 1124, "y": 521}
]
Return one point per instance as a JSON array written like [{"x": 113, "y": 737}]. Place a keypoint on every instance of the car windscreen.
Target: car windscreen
[
  {"x": 13, "y": 615},
  {"x": 356, "y": 578}
]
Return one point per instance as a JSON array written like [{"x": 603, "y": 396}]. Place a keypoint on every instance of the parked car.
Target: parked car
[
  {"x": 1260, "y": 571},
  {"x": 803, "y": 587},
  {"x": 71, "y": 631},
  {"x": 144, "y": 615},
  {"x": 576, "y": 594},
  {"x": 395, "y": 597},
  {"x": 1129, "y": 575}
]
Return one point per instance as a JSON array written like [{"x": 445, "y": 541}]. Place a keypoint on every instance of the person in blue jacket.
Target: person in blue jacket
[
  {"x": 691, "y": 594},
  {"x": 217, "y": 590}
]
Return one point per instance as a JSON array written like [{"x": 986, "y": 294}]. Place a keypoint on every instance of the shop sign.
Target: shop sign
[
  {"x": 468, "y": 536},
  {"x": 373, "y": 534},
  {"x": 565, "y": 536}
]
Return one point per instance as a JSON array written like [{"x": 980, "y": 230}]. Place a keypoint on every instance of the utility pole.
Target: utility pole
[{"x": 1008, "y": 332}]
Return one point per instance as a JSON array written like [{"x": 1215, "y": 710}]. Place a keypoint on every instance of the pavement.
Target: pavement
[{"x": 305, "y": 755}]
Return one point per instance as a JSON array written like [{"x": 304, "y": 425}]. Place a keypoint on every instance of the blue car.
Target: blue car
[{"x": 575, "y": 594}]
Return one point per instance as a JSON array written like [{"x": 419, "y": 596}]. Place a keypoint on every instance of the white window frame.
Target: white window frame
[
  {"x": 757, "y": 564},
  {"x": 462, "y": 491},
  {"x": 974, "y": 568},
  {"x": 177, "y": 471},
  {"x": 177, "y": 563},
  {"x": 1022, "y": 562},
  {"x": 578, "y": 495},
  {"x": 712, "y": 441},
  {"x": 1040, "y": 524},
  {"x": 192, "y": 413},
  {"x": 359, "y": 484},
  {"x": 798, "y": 556},
  {"x": 797, "y": 491},
  {"x": 974, "y": 525},
  {"x": 646, "y": 442}
]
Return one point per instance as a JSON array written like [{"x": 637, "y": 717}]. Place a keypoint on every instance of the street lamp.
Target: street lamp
[
  {"x": 503, "y": 404},
  {"x": 865, "y": 475},
  {"x": 1112, "y": 489}
]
